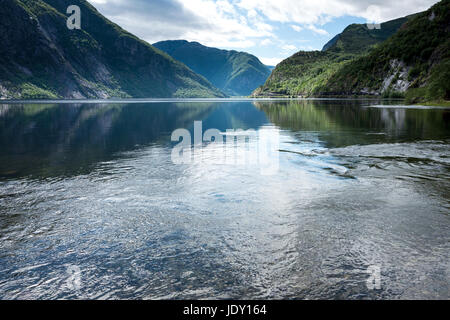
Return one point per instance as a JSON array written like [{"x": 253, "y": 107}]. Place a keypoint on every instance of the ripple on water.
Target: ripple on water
[{"x": 139, "y": 227}]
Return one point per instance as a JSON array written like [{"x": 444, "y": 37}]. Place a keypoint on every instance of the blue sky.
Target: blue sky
[{"x": 270, "y": 29}]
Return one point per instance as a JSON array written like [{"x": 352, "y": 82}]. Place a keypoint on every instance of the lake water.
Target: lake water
[{"x": 92, "y": 205}]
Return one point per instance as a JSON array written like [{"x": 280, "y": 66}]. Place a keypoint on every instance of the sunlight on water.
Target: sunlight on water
[{"x": 94, "y": 187}]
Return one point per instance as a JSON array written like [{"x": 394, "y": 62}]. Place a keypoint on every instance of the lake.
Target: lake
[{"x": 93, "y": 205}]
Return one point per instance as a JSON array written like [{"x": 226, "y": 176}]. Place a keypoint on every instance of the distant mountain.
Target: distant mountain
[
  {"x": 235, "y": 73},
  {"x": 307, "y": 71},
  {"x": 41, "y": 58}
]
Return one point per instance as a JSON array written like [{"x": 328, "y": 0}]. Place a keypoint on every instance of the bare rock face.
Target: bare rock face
[
  {"x": 4, "y": 94},
  {"x": 397, "y": 79},
  {"x": 432, "y": 16}
]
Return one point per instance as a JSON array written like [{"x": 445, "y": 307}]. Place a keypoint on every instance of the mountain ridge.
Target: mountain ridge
[
  {"x": 305, "y": 72},
  {"x": 42, "y": 58},
  {"x": 413, "y": 64},
  {"x": 358, "y": 38},
  {"x": 234, "y": 72},
  {"x": 348, "y": 62}
]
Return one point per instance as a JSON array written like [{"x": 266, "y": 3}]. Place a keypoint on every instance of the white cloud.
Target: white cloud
[
  {"x": 271, "y": 61},
  {"x": 296, "y": 27},
  {"x": 309, "y": 48},
  {"x": 322, "y": 11},
  {"x": 317, "y": 30},
  {"x": 266, "y": 42},
  {"x": 213, "y": 23},
  {"x": 288, "y": 47},
  {"x": 227, "y": 26},
  {"x": 244, "y": 23}
]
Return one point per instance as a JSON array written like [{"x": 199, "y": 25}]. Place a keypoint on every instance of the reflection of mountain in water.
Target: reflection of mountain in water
[
  {"x": 240, "y": 115},
  {"x": 54, "y": 139},
  {"x": 344, "y": 123}
]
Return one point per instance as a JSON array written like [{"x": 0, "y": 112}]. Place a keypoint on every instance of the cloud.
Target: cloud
[
  {"x": 254, "y": 25},
  {"x": 288, "y": 47},
  {"x": 322, "y": 11},
  {"x": 309, "y": 48},
  {"x": 215, "y": 23},
  {"x": 271, "y": 61},
  {"x": 266, "y": 42},
  {"x": 296, "y": 27},
  {"x": 151, "y": 20},
  {"x": 317, "y": 30}
]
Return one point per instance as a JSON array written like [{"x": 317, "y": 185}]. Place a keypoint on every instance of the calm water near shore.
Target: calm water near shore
[{"x": 92, "y": 205}]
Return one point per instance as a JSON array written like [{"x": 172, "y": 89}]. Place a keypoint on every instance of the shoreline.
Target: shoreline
[{"x": 397, "y": 102}]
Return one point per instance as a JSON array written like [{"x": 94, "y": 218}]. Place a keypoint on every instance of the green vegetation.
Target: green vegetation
[
  {"x": 420, "y": 50},
  {"x": 413, "y": 63},
  {"x": 306, "y": 73},
  {"x": 41, "y": 58},
  {"x": 30, "y": 91},
  {"x": 302, "y": 74},
  {"x": 358, "y": 38},
  {"x": 235, "y": 73}
]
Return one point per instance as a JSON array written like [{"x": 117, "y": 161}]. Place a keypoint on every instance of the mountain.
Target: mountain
[
  {"x": 306, "y": 73},
  {"x": 41, "y": 58},
  {"x": 359, "y": 38},
  {"x": 235, "y": 73},
  {"x": 413, "y": 63}
]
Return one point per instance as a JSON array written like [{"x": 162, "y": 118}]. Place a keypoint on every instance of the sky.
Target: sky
[{"x": 272, "y": 30}]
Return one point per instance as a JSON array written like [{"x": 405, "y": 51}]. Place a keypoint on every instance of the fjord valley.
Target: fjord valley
[
  {"x": 235, "y": 73},
  {"x": 404, "y": 58},
  {"x": 41, "y": 58},
  {"x": 138, "y": 171}
]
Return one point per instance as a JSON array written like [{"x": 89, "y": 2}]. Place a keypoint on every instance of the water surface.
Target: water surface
[{"x": 93, "y": 186}]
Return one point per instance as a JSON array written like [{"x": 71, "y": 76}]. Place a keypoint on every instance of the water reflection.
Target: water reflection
[
  {"x": 56, "y": 139},
  {"x": 354, "y": 122},
  {"x": 93, "y": 186}
]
